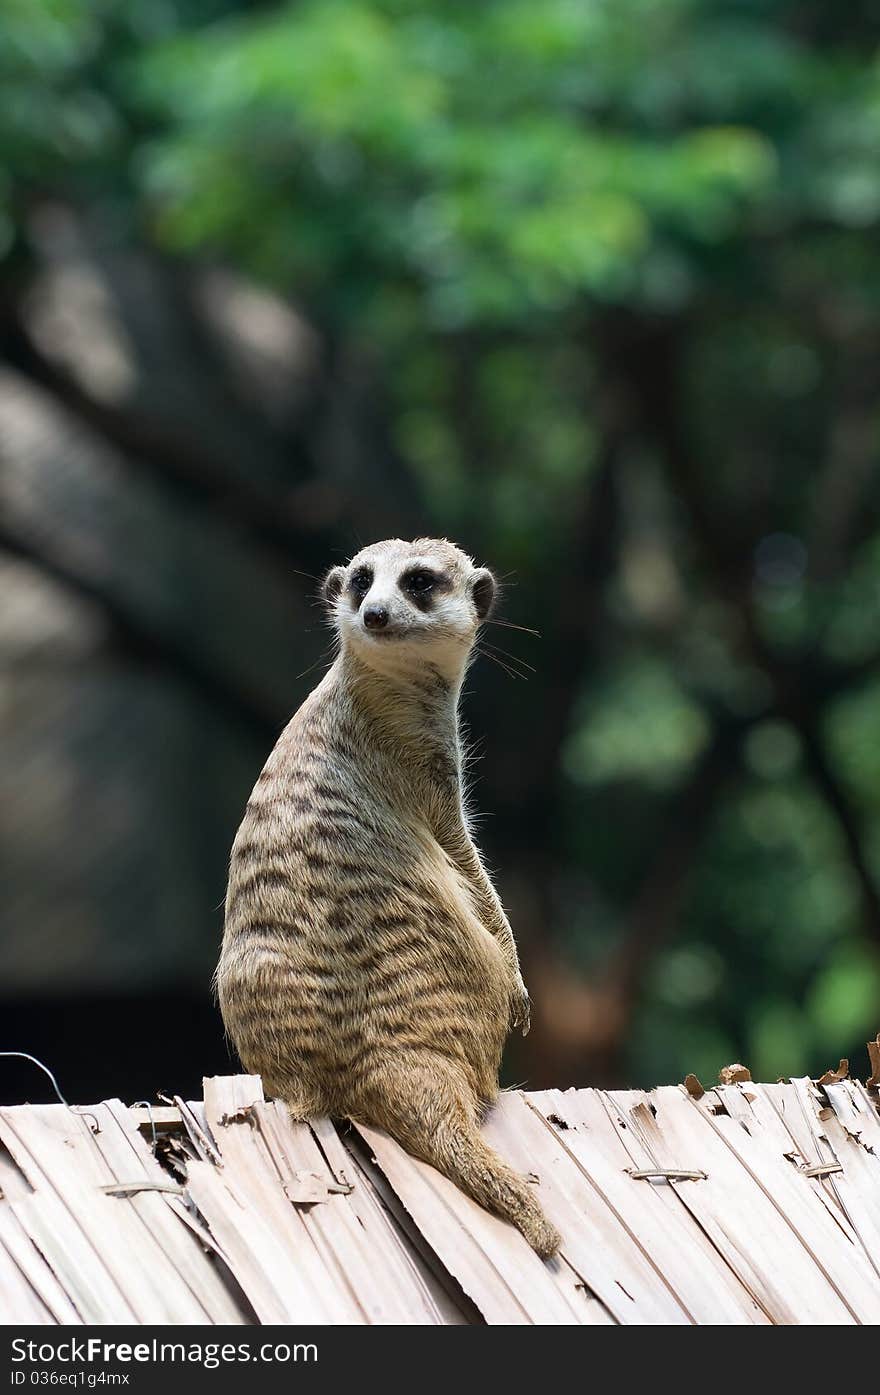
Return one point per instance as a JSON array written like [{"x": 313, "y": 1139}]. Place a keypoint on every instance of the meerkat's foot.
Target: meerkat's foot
[{"x": 543, "y": 1237}]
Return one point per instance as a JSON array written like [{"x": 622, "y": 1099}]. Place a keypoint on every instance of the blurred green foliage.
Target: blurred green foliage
[{"x": 633, "y": 239}]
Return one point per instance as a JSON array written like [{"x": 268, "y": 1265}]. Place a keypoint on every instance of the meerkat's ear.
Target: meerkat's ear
[
  {"x": 484, "y": 590},
  {"x": 332, "y": 584}
]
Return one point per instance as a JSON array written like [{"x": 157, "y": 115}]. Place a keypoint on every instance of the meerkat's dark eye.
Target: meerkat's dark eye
[
  {"x": 419, "y": 582},
  {"x": 361, "y": 581}
]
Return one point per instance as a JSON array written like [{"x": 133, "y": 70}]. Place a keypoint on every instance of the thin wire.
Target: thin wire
[
  {"x": 145, "y": 1104},
  {"x": 45, "y": 1069},
  {"x": 74, "y": 1108}
]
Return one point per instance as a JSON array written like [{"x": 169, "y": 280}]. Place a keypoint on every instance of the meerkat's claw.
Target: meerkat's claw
[{"x": 521, "y": 1010}]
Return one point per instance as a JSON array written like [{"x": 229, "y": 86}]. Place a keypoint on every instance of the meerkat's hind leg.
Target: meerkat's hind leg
[
  {"x": 425, "y": 1103},
  {"x": 302, "y": 1103},
  {"x": 299, "y": 1109}
]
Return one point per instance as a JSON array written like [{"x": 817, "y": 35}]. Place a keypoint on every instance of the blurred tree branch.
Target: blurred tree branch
[
  {"x": 590, "y": 1019},
  {"x": 135, "y": 638},
  {"x": 835, "y": 796},
  {"x": 242, "y": 503},
  {"x": 530, "y": 815},
  {"x": 801, "y": 684},
  {"x": 589, "y": 1022}
]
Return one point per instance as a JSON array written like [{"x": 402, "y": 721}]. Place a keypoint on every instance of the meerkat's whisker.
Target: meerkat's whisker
[
  {"x": 493, "y": 658},
  {"x": 507, "y": 654},
  {"x": 513, "y": 660},
  {"x": 321, "y": 659},
  {"x": 509, "y": 625}
]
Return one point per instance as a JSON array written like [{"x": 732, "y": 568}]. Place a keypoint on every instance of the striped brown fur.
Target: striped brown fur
[{"x": 368, "y": 969}]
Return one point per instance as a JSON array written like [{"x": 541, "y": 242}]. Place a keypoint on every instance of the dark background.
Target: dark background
[{"x": 592, "y": 289}]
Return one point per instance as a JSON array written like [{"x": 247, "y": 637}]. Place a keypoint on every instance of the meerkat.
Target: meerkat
[{"x": 368, "y": 970}]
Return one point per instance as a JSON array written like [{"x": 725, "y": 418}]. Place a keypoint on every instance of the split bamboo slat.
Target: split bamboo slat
[{"x": 744, "y": 1204}]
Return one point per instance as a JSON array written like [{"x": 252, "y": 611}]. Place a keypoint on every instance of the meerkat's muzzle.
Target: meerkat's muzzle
[{"x": 375, "y": 617}]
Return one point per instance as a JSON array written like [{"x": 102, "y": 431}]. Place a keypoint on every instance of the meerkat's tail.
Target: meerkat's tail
[
  {"x": 432, "y": 1114},
  {"x": 464, "y": 1156}
]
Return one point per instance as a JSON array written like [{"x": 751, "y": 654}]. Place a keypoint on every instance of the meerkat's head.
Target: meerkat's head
[{"x": 399, "y": 603}]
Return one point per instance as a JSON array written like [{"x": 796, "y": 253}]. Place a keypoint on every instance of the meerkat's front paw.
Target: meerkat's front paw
[{"x": 521, "y": 1008}]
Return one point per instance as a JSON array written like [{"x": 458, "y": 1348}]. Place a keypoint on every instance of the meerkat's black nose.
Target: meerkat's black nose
[{"x": 375, "y": 617}]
